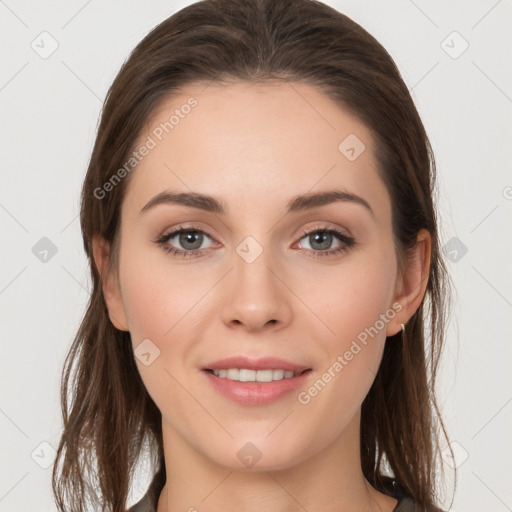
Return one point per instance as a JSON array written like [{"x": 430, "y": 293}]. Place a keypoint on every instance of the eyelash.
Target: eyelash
[{"x": 347, "y": 241}]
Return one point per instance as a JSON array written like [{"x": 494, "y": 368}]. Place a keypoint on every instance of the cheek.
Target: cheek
[
  {"x": 351, "y": 297},
  {"x": 159, "y": 296},
  {"x": 162, "y": 302},
  {"x": 168, "y": 304},
  {"x": 353, "y": 302}
]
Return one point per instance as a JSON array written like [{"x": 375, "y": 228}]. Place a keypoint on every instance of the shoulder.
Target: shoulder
[
  {"x": 144, "y": 505},
  {"x": 407, "y": 504},
  {"x": 404, "y": 502}
]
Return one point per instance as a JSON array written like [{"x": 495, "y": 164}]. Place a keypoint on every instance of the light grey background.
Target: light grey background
[{"x": 49, "y": 111}]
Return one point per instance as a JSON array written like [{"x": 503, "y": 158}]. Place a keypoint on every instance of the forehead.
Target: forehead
[{"x": 254, "y": 144}]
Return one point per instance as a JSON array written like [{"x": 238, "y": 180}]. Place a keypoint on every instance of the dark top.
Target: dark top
[{"x": 405, "y": 502}]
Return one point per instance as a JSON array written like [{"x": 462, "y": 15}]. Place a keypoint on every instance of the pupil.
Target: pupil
[
  {"x": 322, "y": 238},
  {"x": 193, "y": 238}
]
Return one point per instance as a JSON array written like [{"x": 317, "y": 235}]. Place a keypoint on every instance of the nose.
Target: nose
[{"x": 255, "y": 295}]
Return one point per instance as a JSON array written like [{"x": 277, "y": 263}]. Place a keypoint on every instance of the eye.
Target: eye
[
  {"x": 190, "y": 241},
  {"x": 320, "y": 240},
  {"x": 185, "y": 241}
]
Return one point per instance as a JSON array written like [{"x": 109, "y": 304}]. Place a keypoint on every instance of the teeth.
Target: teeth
[{"x": 244, "y": 375}]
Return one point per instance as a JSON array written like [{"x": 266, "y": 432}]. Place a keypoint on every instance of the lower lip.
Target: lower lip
[{"x": 256, "y": 393}]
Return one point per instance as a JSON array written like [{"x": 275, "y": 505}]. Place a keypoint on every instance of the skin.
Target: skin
[{"x": 255, "y": 147}]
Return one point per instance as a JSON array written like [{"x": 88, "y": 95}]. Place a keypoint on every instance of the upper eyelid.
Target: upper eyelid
[{"x": 315, "y": 228}]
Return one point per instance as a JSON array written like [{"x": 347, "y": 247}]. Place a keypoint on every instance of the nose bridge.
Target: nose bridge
[
  {"x": 256, "y": 297},
  {"x": 252, "y": 262},
  {"x": 253, "y": 280}
]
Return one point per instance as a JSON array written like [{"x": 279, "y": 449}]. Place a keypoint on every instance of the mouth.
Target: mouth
[
  {"x": 260, "y": 376},
  {"x": 250, "y": 387},
  {"x": 260, "y": 381}
]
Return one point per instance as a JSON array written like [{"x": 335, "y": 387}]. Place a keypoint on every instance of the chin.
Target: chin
[{"x": 260, "y": 455}]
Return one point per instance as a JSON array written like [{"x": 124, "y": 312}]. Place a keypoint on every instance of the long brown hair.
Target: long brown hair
[{"x": 109, "y": 418}]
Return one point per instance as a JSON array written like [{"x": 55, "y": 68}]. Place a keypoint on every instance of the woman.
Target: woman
[{"x": 269, "y": 295}]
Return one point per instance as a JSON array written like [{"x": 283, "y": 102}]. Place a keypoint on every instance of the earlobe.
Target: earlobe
[
  {"x": 110, "y": 286},
  {"x": 412, "y": 284}
]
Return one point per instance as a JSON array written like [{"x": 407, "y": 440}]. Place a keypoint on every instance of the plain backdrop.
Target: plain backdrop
[{"x": 454, "y": 56}]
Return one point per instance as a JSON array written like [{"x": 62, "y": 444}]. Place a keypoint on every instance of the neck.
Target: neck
[{"x": 328, "y": 481}]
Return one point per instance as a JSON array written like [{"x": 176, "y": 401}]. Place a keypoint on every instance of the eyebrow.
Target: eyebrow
[{"x": 295, "y": 204}]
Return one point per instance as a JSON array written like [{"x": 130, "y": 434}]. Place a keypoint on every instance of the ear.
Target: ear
[
  {"x": 411, "y": 285},
  {"x": 111, "y": 291}
]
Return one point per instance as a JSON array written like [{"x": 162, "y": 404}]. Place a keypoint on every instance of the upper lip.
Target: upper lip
[{"x": 264, "y": 363}]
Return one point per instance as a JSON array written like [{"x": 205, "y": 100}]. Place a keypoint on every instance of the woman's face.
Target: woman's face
[{"x": 249, "y": 280}]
